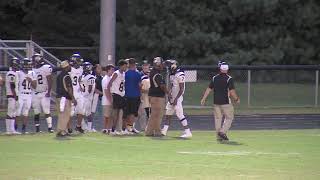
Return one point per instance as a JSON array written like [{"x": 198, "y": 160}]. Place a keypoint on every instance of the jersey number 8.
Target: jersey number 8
[{"x": 121, "y": 87}]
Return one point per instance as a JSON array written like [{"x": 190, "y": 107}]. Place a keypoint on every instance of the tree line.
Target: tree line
[{"x": 192, "y": 31}]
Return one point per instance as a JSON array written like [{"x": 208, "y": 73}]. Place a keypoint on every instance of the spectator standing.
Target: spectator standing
[
  {"x": 132, "y": 94},
  {"x": 144, "y": 110},
  {"x": 115, "y": 94},
  {"x": 98, "y": 92},
  {"x": 157, "y": 94},
  {"x": 64, "y": 99},
  {"x": 222, "y": 85},
  {"x": 106, "y": 103}
]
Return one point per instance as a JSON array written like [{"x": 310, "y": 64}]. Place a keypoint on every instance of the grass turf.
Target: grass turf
[{"x": 286, "y": 154}]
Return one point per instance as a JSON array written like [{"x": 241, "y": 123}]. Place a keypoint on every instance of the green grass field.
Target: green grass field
[{"x": 286, "y": 154}]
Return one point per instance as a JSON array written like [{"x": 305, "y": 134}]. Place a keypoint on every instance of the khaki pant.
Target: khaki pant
[
  {"x": 63, "y": 117},
  {"x": 157, "y": 110},
  {"x": 219, "y": 111},
  {"x": 142, "y": 117}
]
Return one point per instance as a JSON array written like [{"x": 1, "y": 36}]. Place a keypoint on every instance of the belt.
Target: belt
[
  {"x": 39, "y": 92},
  {"x": 10, "y": 96},
  {"x": 25, "y": 92}
]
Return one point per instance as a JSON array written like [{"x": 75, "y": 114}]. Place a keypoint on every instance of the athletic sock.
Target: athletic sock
[
  {"x": 8, "y": 127},
  {"x": 12, "y": 123},
  {"x": 89, "y": 125},
  {"x": 49, "y": 121},
  {"x": 23, "y": 127},
  {"x": 187, "y": 131},
  {"x": 165, "y": 128},
  {"x": 37, "y": 119},
  {"x": 184, "y": 122}
]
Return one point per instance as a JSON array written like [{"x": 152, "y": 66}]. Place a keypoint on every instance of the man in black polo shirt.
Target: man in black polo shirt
[
  {"x": 157, "y": 94},
  {"x": 98, "y": 93},
  {"x": 223, "y": 88},
  {"x": 64, "y": 98}
]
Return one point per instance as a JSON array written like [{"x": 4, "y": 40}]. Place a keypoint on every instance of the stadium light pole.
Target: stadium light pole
[{"x": 107, "y": 32}]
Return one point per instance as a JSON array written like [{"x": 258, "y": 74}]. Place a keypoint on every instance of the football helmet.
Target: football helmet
[
  {"x": 75, "y": 60},
  {"x": 26, "y": 64},
  {"x": 15, "y": 63},
  {"x": 87, "y": 67},
  {"x": 37, "y": 60}
]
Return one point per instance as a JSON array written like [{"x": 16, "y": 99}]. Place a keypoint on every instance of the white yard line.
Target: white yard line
[{"x": 236, "y": 153}]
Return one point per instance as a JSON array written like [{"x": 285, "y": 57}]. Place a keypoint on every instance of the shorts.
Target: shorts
[
  {"x": 41, "y": 103},
  {"x": 12, "y": 107},
  {"x": 118, "y": 101},
  {"x": 132, "y": 106},
  {"x": 107, "y": 109},
  {"x": 171, "y": 110},
  {"x": 24, "y": 105}
]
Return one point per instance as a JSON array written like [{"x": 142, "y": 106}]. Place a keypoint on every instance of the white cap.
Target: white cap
[{"x": 224, "y": 67}]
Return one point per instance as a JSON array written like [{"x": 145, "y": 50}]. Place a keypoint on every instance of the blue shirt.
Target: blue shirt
[{"x": 132, "y": 81}]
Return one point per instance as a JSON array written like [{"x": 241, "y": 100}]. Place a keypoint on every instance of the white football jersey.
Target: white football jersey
[
  {"x": 118, "y": 84},
  {"x": 75, "y": 75},
  {"x": 175, "y": 80},
  {"x": 11, "y": 77},
  {"x": 24, "y": 85},
  {"x": 41, "y": 77},
  {"x": 86, "y": 81}
]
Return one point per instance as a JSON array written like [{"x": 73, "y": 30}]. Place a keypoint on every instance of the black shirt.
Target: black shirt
[
  {"x": 156, "y": 79},
  {"x": 63, "y": 81},
  {"x": 221, "y": 84},
  {"x": 99, "y": 83}
]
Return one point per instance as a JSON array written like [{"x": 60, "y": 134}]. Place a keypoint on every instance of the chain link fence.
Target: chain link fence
[{"x": 259, "y": 87}]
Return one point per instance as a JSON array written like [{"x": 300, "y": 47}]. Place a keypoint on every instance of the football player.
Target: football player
[
  {"x": 88, "y": 86},
  {"x": 25, "y": 84},
  {"x": 174, "y": 105},
  {"x": 12, "y": 95},
  {"x": 76, "y": 74},
  {"x": 116, "y": 92},
  {"x": 42, "y": 92}
]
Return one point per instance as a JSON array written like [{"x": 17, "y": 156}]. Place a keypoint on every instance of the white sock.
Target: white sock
[
  {"x": 8, "y": 125},
  {"x": 12, "y": 121},
  {"x": 89, "y": 125},
  {"x": 49, "y": 122},
  {"x": 165, "y": 128},
  {"x": 184, "y": 122},
  {"x": 187, "y": 131}
]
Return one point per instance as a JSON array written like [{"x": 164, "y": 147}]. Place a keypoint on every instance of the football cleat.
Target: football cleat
[
  {"x": 186, "y": 135},
  {"x": 135, "y": 131},
  {"x": 223, "y": 136},
  {"x": 79, "y": 129},
  {"x": 163, "y": 132},
  {"x": 70, "y": 131},
  {"x": 16, "y": 133}
]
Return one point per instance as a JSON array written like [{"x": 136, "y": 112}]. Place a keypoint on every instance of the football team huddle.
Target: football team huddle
[{"x": 29, "y": 85}]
